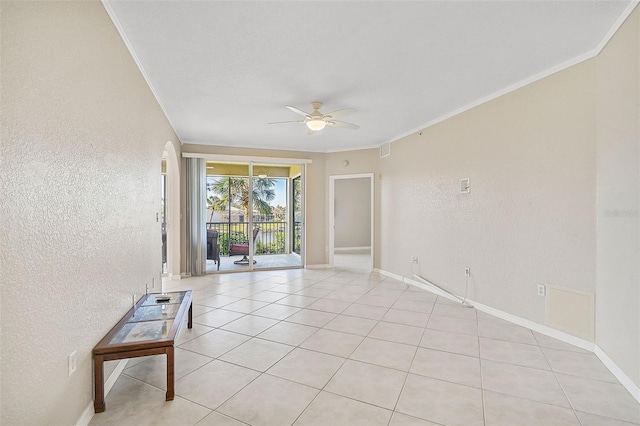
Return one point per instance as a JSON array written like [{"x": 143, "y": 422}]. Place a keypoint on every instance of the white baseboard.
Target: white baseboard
[
  {"x": 633, "y": 389},
  {"x": 350, "y": 249},
  {"x": 87, "y": 414},
  {"x": 318, "y": 266}
]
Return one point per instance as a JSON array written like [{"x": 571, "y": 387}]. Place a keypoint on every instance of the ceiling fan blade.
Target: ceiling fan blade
[
  {"x": 340, "y": 112},
  {"x": 342, "y": 124},
  {"x": 298, "y": 111},
  {"x": 287, "y": 122}
]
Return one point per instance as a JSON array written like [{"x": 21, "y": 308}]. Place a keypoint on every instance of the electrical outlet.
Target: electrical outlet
[
  {"x": 72, "y": 363},
  {"x": 542, "y": 290},
  {"x": 414, "y": 259},
  {"x": 467, "y": 272}
]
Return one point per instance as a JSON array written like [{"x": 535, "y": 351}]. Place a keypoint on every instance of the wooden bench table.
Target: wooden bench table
[{"x": 149, "y": 328}]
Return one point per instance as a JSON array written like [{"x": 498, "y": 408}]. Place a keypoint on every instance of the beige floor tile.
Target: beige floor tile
[
  {"x": 311, "y": 317},
  {"x": 328, "y": 285},
  {"x": 313, "y": 292},
  {"x": 187, "y": 334},
  {"x": 504, "y": 410},
  {"x": 380, "y": 301},
  {"x": 217, "y": 318},
  {"x": 398, "y": 333},
  {"x": 269, "y": 401},
  {"x": 329, "y": 409},
  {"x": 399, "y": 419},
  {"x": 594, "y": 420},
  {"x": 344, "y": 296},
  {"x": 257, "y": 354},
  {"x": 523, "y": 382},
  {"x": 365, "y": 311},
  {"x": 463, "y": 344},
  {"x": 455, "y": 325},
  {"x": 215, "y": 343},
  {"x": 245, "y": 306},
  {"x": 578, "y": 364},
  {"x": 333, "y": 342},
  {"x": 133, "y": 403},
  {"x": 328, "y": 305},
  {"x": 267, "y": 296},
  {"x": 391, "y": 293},
  {"x": 218, "y": 301},
  {"x": 297, "y": 301},
  {"x": 418, "y": 294},
  {"x": 506, "y": 331},
  {"x": 250, "y": 325},
  {"x": 217, "y": 419},
  {"x": 399, "y": 316},
  {"x": 200, "y": 309},
  {"x": 368, "y": 383},
  {"x": 461, "y": 369},
  {"x": 276, "y": 311},
  {"x": 353, "y": 325},
  {"x": 422, "y": 306},
  {"x": 240, "y": 292},
  {"x": 307, "y": 367},
  {"x": 154, "y": 369},
  {"x": 214, "y": 383},
  {"x": 385, "y": 354},
  {"x": 513, "y": 353},
  {"x": 550, "y": 342},
  {"x": 441, "y": 402},
  {"x": 288, "y": 332},
  {"x": 457, "y": 311},
  {"x": 601, "y": 398}
]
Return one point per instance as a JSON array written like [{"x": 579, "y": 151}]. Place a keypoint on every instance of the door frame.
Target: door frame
[{"x": 332, "y": 212}]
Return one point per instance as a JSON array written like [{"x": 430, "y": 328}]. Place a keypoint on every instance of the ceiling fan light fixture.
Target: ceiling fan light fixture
[{"x": 316, "y": 124}]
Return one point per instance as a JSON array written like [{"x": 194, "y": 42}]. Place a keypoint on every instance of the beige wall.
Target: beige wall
[
  {"x": 530, "y": 216},
  {"x": 352, "y": 212},
  {"x": 618, "y": 232},
  {"x": 82, "y": 141}
]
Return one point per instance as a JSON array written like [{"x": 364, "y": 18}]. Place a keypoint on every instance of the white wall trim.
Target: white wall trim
[
  {"x": 633, "y": 389},
  {"x": 319, "y": 266},
  {"x": 616, "y": 26},
  {"x": 349, "y": 249},
  {"x": 532, "y": 79},
  {"x": 86, "y": 416},
  {"x": 246, "y": 158},
  {"x": 89, "y": 412},
  {"x": 127, "y": 43}
]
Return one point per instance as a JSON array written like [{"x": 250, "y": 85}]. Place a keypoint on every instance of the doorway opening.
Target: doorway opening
[
  {"x": 254, "y": 215},
  {"x": 351, "y": 226}
]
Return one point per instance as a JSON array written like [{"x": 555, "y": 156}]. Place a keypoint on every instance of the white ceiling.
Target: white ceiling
[{"x": 222, "y": 70}]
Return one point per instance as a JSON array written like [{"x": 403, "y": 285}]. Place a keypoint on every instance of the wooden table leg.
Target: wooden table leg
[
  {"x": 170, "y": 378},
  {"x": 98, "y": 378},
  {"x": 189, "y": 322}
]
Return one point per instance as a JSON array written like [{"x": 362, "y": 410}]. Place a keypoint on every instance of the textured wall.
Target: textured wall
[
  {"x": 618, "y": 236},
  {"x": 82, "y": 140},
  {"x": 530, "y": 216}
]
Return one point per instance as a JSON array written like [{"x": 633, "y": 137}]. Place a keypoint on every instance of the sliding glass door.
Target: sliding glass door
[{"x": 254, "y": 216}]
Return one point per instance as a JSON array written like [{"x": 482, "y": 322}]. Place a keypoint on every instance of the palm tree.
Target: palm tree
[{"x": 235, "y": 192}]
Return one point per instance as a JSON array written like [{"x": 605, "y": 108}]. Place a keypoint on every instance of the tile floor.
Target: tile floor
[{"x": 337, "y": 347}]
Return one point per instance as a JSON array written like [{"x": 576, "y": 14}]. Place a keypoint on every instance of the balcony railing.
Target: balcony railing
[{"x": 270, "y": 240}]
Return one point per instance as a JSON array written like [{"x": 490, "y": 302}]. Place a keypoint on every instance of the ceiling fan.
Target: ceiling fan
[{"x": 317, "y": 121}]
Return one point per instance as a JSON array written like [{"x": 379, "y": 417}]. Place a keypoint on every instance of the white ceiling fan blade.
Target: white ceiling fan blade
[
  {"x": 340, "y": 112},
  {"x": 342, "y": 124},
  {"x": 287, "y": 122},
  {"x": 298, "y": 111}
]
